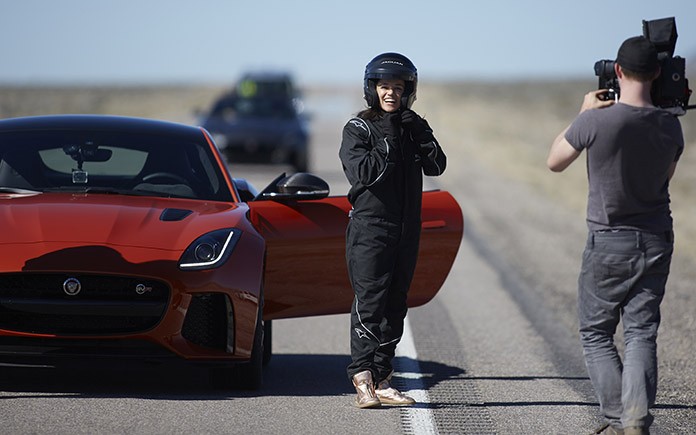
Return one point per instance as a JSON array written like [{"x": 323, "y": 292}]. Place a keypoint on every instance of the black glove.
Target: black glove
[
  {"x": 418, "y": 128},
  {"x": 391, "y": 126}
]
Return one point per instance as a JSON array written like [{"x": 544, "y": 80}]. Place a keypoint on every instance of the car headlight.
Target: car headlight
[{"x": 210, "y": 250}]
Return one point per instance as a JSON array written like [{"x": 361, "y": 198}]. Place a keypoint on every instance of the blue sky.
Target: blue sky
[{"x": 213, "y": 41}]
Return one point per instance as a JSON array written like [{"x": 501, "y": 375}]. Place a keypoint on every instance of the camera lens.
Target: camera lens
[{"x": 604, "y": 68}]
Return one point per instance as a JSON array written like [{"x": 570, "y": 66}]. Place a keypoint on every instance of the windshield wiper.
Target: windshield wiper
[
  {"x": 113, "y": 191},
  {"x": 93, "y": 189}
]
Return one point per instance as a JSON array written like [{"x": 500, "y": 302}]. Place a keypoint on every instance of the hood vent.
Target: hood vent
[{"x": 174, "y": 214}]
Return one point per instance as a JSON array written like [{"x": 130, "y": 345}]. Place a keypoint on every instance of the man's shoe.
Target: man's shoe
[
  {"x": 389, "y": 395},
  {"x": 608, "y": 429},
  {"x": 365, "y": 387},
  {"x": 636, "y": 430}
]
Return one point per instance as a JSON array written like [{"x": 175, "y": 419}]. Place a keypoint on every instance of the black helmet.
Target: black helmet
[{"x": 390, "y": 66}]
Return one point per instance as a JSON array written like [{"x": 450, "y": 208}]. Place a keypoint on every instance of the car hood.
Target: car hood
[{"x": 117, "y": 220}]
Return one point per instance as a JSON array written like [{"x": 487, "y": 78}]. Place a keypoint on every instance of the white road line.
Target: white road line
[{"x": 419, "y": 418}]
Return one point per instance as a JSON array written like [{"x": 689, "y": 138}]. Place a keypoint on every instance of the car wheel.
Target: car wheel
[
  {"x": 248, "y": 375},
  {"x": 267, "y": 341}
]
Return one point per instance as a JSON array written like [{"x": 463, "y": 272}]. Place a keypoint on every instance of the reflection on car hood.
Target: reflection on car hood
[{"x": 92, "y": 219}]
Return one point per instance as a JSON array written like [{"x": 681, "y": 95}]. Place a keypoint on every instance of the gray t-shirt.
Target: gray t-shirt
[{"x": 629, "y": 152}]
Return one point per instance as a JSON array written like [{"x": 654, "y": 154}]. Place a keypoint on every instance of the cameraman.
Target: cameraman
[{"x": 632, "y": 152}]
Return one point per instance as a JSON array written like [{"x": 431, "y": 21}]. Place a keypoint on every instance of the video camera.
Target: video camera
[{"x": 671, "y": 88}]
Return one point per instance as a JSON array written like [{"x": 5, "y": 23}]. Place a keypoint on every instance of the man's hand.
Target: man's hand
[{"x": 592, "y": 101}]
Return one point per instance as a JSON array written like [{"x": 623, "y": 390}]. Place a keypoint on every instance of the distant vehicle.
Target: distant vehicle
[{"x": 261, "y": 120}]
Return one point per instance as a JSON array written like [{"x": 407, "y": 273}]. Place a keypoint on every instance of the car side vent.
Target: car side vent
[
  {"x": 174, "y": 214},
  {"x": 208, "y": 320}
]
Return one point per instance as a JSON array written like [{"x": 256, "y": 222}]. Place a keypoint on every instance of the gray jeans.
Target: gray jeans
[{"x": 623, "y": 277}]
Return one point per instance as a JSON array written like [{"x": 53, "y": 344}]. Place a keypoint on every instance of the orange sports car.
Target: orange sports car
[{"x": 129, "y": 238}]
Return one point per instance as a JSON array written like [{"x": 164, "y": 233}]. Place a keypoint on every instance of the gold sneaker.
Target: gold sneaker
[
  {"x": 365, "y": 387},
  {"x": 389, "y": 395}
]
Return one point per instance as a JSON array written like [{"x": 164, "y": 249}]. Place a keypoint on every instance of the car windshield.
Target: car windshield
[{"x": 110, "y": 162}]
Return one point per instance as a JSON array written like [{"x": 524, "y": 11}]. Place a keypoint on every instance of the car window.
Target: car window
[
  {"x": 127, "y": 163},
  {"x": 264, "y": 87}
]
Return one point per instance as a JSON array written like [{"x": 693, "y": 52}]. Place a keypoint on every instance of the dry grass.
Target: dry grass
[
  {"x": 509, "y": 127},
  {"x": 174, "y": 103}
]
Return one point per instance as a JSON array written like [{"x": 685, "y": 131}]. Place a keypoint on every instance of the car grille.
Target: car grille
[{"x": 39, "y": 303}]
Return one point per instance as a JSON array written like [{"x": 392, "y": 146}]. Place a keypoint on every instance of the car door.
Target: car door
[{"x": 306, "y": 271}]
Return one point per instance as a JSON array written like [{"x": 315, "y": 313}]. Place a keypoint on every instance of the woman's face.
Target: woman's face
[{"x": 389, "y": 93}]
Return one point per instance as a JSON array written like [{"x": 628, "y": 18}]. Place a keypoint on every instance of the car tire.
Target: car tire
[
  {"x": 247, "y": 375},
  {"x": 267, "y": 341}
]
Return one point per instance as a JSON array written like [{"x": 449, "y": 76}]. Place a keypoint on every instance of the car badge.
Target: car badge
[
  {"x": 72, "y": 286},
  {"x": 141, "y": 289}
]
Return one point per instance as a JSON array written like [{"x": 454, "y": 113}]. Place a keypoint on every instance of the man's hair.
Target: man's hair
[{"x": 640, "y": 76}]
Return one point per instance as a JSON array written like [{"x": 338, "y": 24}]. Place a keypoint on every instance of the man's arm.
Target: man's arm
[{"x": 562, "y": 153}]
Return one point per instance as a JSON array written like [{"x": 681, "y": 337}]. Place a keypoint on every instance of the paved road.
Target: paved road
[{"x": 495, "y": 352}]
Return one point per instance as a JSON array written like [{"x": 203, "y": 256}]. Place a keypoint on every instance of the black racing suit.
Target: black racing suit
[{"x": 385, "y": 167}]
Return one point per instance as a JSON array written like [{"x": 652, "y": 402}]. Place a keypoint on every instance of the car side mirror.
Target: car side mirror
[{"x": 295, "y": 187}]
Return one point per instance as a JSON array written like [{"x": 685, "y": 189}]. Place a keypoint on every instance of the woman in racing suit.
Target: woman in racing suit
[{"x": 385, "y": 151}]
